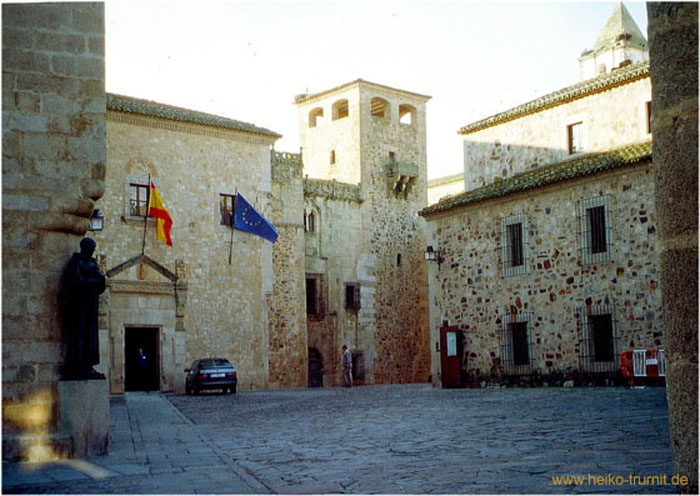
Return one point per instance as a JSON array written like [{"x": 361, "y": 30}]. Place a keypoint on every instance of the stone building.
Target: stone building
[
  {"x": 550, "y": 255},
  {"x": 347, "y": 266},
  {"x": 209, "y": 293},
  {"x": 441, "y": 187},
  {"x": 53, "y": 170},
  {"x": 364, "y": 155}
]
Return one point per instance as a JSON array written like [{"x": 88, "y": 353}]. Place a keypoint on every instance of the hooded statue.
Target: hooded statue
[{"x": 81, "y": 287}]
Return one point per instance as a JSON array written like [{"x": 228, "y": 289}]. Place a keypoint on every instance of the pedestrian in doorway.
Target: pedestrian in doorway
[
  {"x": 143, "y": 366},
  {"x": 347, "y": 367}
]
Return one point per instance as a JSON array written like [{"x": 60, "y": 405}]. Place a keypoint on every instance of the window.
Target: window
[
  {"x": 596, "y": 233},
  {"x": 316, "y": 117},
  {"x": 398, "y": 260},
  {"x": 599, "y": 349},
  {"x": 648, "y": 107},
  {"x": 312, "y": 296},
  {"x": 352, "y": 296},
  {"x": 226, "y": 209},
  {"x": 574, "y": 132},
  {"x": 340, "y": 109},
  {"x": 407, "y": 114},
  {"x": 138, "y": 199},
  {"x": 516, "y": 348},
  {"x": 309, "y": 222},
  {"x": 379, "y": 108},
  {"x": 514, "y": 246},
  {"x": 332, "y": 156}
]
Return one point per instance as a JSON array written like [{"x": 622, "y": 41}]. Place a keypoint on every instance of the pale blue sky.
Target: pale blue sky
[{"x": 247, "y": 59}]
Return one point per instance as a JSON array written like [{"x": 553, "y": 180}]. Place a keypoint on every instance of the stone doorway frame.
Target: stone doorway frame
[{"x": 129, "y": 303}]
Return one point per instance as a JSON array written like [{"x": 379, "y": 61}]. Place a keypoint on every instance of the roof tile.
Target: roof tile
[
  {"x": 130, "y": 105},
  {"x": 592, "y": 163}
]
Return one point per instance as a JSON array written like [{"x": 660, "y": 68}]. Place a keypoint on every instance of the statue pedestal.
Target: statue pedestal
[{"x": 84, "y": 415}]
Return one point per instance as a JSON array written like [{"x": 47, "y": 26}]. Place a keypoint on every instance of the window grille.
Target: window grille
[
  {"x": 599, "y": 346},
  {"x": 596, "y": 230},
  {"x": 138, "y": 199},
  {"x": 517, "y": 350},
  {"x": 514, "y": 243},
  {"x": 226, "y": 203}
]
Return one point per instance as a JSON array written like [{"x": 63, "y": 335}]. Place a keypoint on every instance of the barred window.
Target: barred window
[
  {"x": 516, "y": 344},
  {"x": 596, "y": 230},
  {"x": 599, "y": 339},
  {"x": 514, "y": 245}
]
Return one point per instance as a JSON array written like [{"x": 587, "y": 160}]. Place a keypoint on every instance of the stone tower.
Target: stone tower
[
  {"x": 619, "y": 43},
  {"x": 370, "y": 140}
]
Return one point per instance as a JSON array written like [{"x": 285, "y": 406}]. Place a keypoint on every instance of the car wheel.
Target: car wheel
[
  {"x": 188, "y": 390},
  {"x": 232, "y": 389}
]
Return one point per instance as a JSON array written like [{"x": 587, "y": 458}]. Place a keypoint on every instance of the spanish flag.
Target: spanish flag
[{"x": 163, "y": 221}]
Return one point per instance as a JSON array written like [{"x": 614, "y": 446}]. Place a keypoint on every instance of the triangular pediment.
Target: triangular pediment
[{"x": 139, "y": 268}]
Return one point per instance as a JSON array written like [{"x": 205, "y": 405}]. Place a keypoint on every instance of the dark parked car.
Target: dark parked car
[{"x": 210, "y": 373}]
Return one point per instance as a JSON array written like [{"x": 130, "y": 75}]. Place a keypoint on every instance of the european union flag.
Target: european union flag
[{"x": 246, "y": 218}]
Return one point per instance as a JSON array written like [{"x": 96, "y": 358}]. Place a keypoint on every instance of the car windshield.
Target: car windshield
[{"x": 215, "y": 363}]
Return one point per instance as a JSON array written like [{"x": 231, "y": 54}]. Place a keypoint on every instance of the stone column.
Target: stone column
[
  {"x": 673, "y": 42},
  {"x": 53, "y": 169}
]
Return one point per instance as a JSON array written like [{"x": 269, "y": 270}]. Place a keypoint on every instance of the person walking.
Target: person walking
[{"x": 347, "y": 367}]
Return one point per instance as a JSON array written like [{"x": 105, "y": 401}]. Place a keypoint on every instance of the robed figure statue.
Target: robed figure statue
[{"x": 81, "y": 287}]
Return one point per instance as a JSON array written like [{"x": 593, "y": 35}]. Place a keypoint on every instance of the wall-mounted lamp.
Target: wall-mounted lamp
[
  {"x": 97, "y": 220},
  {"x": 434, "y": 256}
]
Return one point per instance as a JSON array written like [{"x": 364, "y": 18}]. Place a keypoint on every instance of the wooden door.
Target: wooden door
[{"x": 451, "y": 357}]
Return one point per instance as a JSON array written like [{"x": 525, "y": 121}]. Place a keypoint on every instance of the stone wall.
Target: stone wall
[
  {"x": 673, "y": 41},
  {"x": 609, "y": 118},
  {"x": 228, "y": 301},
  {"x": 470, "y": 291},
  {"x": 332, "y": 250},
  {"x": 369, "y": 233},
  {"x": 288, "y": 331},
  {"x": 395, "y": 236},
  {"x": 54, "y": 163},
  {"x": 444, "y": 186}
]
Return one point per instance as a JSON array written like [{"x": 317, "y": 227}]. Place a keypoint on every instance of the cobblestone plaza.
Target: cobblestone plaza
[{"x": 399, "y": 439}]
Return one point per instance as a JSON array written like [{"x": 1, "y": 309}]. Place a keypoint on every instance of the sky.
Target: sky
[{"x": 247, "y": 59}]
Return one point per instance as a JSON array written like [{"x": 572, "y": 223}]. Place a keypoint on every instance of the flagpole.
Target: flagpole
[
  {"x": 145, "y": 217},
  {"x": 233, "y": 228}
]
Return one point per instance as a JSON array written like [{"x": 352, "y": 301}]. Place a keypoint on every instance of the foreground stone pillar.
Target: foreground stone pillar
[
  {"x": 53, "y": 168},
  {"x": 673, "y": 42}
]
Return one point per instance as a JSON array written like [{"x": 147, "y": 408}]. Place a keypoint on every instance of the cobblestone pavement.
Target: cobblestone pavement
[{"x": 380, "y": 439}]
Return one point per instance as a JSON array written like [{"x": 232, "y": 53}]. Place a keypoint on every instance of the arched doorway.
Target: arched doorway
[{"x": 315, "y": 368}]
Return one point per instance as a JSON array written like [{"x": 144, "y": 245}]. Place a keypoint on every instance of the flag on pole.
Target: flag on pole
[
  {"x": 247, "y": 219},
  {"x": 163, "y": 220}
]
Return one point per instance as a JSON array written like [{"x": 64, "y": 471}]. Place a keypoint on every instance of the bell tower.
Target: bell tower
[
  {"x": 619, "y": 43},
  {"x": 372, "y": 138}
]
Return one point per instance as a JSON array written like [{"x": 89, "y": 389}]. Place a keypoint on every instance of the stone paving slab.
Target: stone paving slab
[{"x": 399, "y": 439}]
